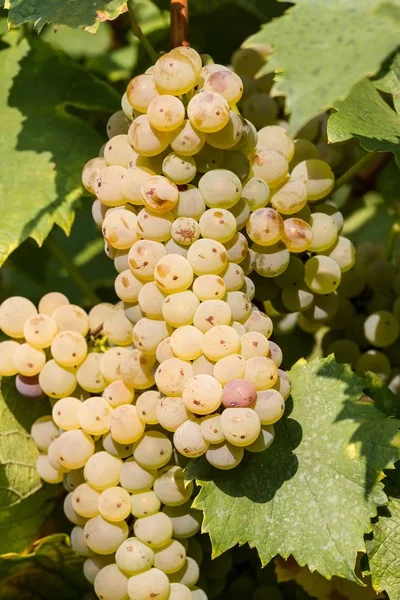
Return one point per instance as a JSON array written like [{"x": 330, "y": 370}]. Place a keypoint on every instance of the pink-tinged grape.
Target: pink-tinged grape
[
  {"x": 28, "y": 386},
  {"x": 265, "y": 226},
  {"x": 226, "y": 83},
  {"x": 238, "y": 393},
  {"x": 141, "y": 91}
]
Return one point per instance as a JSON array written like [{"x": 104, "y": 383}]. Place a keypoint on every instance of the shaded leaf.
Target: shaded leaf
[
  {"x": 371, "y": 219},
  {"x": 43, "y": 147},
  {"x": 315, "y": 41},
  {"x": 389, "y": 80},
  {"x": 52, "y": 571},
  {"x": 318, "y": 481},
  {"x": 79, "y": 43}
]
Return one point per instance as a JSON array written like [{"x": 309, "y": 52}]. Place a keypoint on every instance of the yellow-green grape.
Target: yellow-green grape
[
  {"x": 46, "y": 471},
  {"x": 322, "y": 274},
  {"x": 57, "y": 381},
  {"x": 103, "y": 537},
  {"x": 276, "y": 137},
  {"x": 203, "y": 366},
  {"x": 192, "y": 55},
  {"x": 54, "y": 454},
  {"x": 241, "y": 426},
  {"x": 164, "y": 350},
  {"x": 14, "y": 312},
  {"x": 171, "y": 412},
  {"x": 253, "y": 343},
  {"x": 102, "y": 471},
  {"x": 134, "y": 557},
  {"x": 226, "y": 83},
  {"x": 110, "y": 363},
  {"x": 153, "y": 450},
  {"x": 240, "y": 306},
  {"x": 107, "y": 186},
  {"x": 132, "y": 182},
  {"x": 207, "y": 257},
  {"x": 141, "y": 91},
  {"x": 188, "y": 440},
  {"x": 49, "y": 302},
  {"x": 74, "y": 448},
  {"x": 40, "y": 330},
  {"x": 118, "y": 151},
  {"x": 381, "y": 328},
  {"x": 333, "y": 212},
  {"x": 144, "y": 504},
  {"x": 256, "y": 193},
  {"x": 137, "y": 370},
  {"x": 211, "y": 429},
  {"x": 143, "y": 257},
  {"x": 269, "y": 406},
  {"x": 125, "y": 425},
  {"x": 115, "y": 449},
  {"x": 151, "y": 300},
  {"x": 241, "y": 213},
  {"x": 187, "y": 140},
  {"x": 173, "y": 273},
  {"x": 190, "y": 203},
  {"x": 374, "y": 361},
  {"x": 275, "y": 353},
  {"x": 265, "y": 226},
  {"x": 290, "y": 197},
  {"x": 43, "y": 432},
  {"x": 264, "y": 440},
  {"x": 174, "y": 73},
  {"x": 135, "y": 478},
  {"x": 343, "y": 252},
  {"x": 70, "y": 512},
  {"x": 150, "y": 584},
  {"x": 117, "y": 124},
  {"x": 202, "y": 394},
  {"x": 237, "y": 248},
  {"x": 97, "y": 314},
  {"x": 153, "y": 226},
  {"x": 166, "y": 112},
  {"x": 271, "y": 166},
  {"x": 345, "y": 351},
  {"x": 94, "y": 415},
  {"x": 229, "y": 368},
  {"x": 155, "y": 530},
  {"x": 186, "y": 521},
  {"x": 209, "y": 287},
  {"x": 260, "y": 109},
  {"x": 209, "y": 158},
  {"x": 228, "y": 136},
  {"x": 303, "y": 150},
  {"x": 224, "y": 455},
  {"x": 146, "y": 406},
  {"x": 94, "y": 564},
  {"x": 179, "y": 309},
  {"x": 89, "y": 375},
  {"x": 237, "y": 162},
  {"x": 65, "y": 413},
  {"x": 380, "y": 275},
  {"x": 211, "y": 313},
  {"x": 247, "y": 61},
  {"x": 185, "y": 230},
  {"x": 114, "y": 504},
  {"x": 172, "y": 375},
  {"x": 297, "y": 235},
  {"x": 293, "y": 275},
  {"x": 283, "y": 385},
  {"x": 127, "y": 286},
  {"x": 85, "y": 501},
  {"x": 271, "y": 261},
  {"x": 248, "y": 141},
  {"x": 218, "y": 224},
  {"x": 233, "y": 277},
  {"x": 248, "y": 288},
  {"x": 145, "y": 139},
  {"x": 220, "y": 341},
  {"x": 324, "y": 232},
  {"x": 261, "y": 371},
  {"x": 260, "y": 322},
  {"x": 69, "y": 348},
  {"x": 170, "y": 487},
  {"x": 186, "y": 342},
  {"x": 188, "y": 575},
  {"x": 317, "y": 177},
  {"x": 208, "y": 112},
  {"x": 78, "y": 541},
  {"x": 220, "y": 188},
  {"x": 148, "y": 333},
  {"x": 159, "y": 194},
  {"x": 179, "y": 168},
  {"x": 71, "y": 318},
  {"x": 119, "y": 229},
  {"x": 90, "y": 172},
  {"x": 28, "y": 360},
  {"x": 111, "y": 584},
  {"x": 128, "y": 109},
  {"x": 170, "y": 559}
]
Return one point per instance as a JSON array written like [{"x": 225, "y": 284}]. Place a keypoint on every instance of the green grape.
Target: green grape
[
  {"x": 332, "y": 211},
  {"x": 290, "y": 197},
  {"x": 208, "y": 158},
  {"x": 369, "y": 252},
  {"x": 220, "y": 188},
  {"x": 247, "y": 61},
  {"x": 381, "y": 328},
  {"x": 174, "y": 73},
  {"x": 355, "y": 330},
  {"x": 256, "y": 193},
  {"x": 117, "y": 124},
  {"x": 374, "y": 361},
  {"x": 293, "y": 275},
  {"x": 145, "y": 140},
  {"x": 345, "y": 351},
  {"x": 323, "y": 308},
  {"x": 229, "y": 135},
  {"x": 278, "y": 138},
  {"x": 155, "y": 530},
  {"x": 271, "y": 261},
  {"x": 178, "y": 168},
  {"x": 144, "y": 504},
  {"x": 135, "y": 478},
  {"x": 303, "y": 150},
  {"x": 344, "y": 313},
  {"x": 380, "y": 275},
  {"x": 237, "y": 162},
  {"x": 260, "y": 109},
  {"x": 322, "y": 274},
  {"x": 153, "y": 450},
  {"x": 186, "y": 521},
  {"x": 352, "y": 282},
  {"x": 343, "y": 252},
  {"x": 188, "y": 575},
  {"x": 180, "y": 592},
  {"x": 133, "y": 556},
  {"x": 317, "y": 177},
  {"x": 324, "y": 232}
]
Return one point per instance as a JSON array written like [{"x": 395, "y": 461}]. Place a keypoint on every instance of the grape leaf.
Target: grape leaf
[
  {"x": 24, "y": 502},
  {"x": 43, "y": 146},
  {"x": 52, "y": 571},
  {"x": 317, "y": 483},
  {"x": 320, "y": 52},
  {"x": 86, "y": 13},
  {"x": 389, "y": 80},
  {"x": 384, "y": 551},
  {"x": 371, "y": 219},
  {"x": 365, "y": 115}
]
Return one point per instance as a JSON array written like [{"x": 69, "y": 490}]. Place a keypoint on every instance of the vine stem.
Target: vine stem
[
  {"x": 393, "y": 233},
  {"x": 354, "y": 169},
  {"x": 138, "y": 33},
  {"x": 58, "y": 253},
  {"x": 179, "y": 29}
]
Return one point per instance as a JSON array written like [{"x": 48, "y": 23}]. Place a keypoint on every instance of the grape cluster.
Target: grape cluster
[{"x": 365, "y": 331}]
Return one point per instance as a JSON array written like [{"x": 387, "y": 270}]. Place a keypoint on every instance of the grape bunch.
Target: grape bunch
[{"x": 365, "y": 331}]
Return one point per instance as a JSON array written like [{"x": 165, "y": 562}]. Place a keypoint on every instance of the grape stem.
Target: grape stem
[
  {"x": 74, "y": 273},
  {"x": 138, "y": 33},
  {"x": 179, "y": 29},
  {"x": 393, "y": 233},
  {"x": 354, "y": 169}
]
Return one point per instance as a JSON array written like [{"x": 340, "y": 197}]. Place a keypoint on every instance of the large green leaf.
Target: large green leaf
[
  {"x": 321, "y": 49},
  {"x": 52, "y": 572},
  {"x": 389, "y": 79},
  {"x": 85, "y": 13},
  {"x": 313, "y": 493},
  {"x": 24, "y": 502},
  {"x": 365, "y": 115},
  {"x": 384, "y": 551},
  {"x": 43, "y": 146}
]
